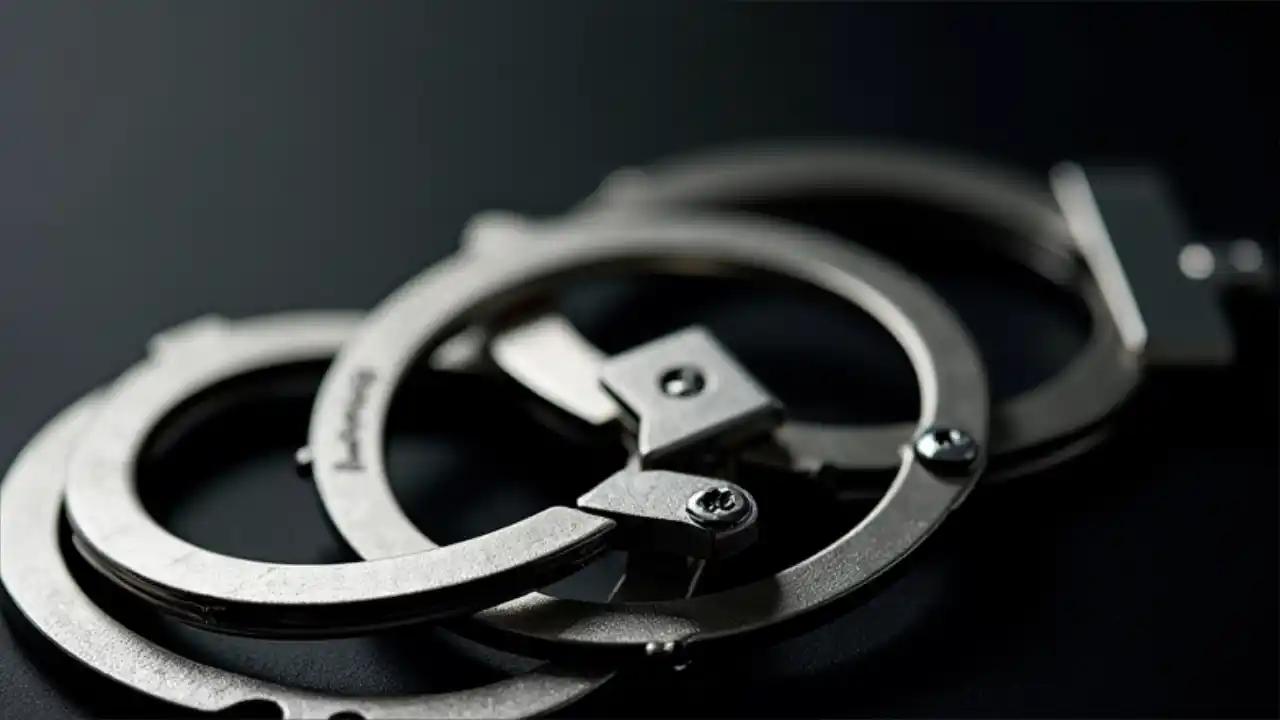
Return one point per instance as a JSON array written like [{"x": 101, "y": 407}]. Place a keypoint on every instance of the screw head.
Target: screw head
[
  {"x": 682, "y": 382},
  {"x": 947, "y": 450},
  {"x": 719, "y": 506}
]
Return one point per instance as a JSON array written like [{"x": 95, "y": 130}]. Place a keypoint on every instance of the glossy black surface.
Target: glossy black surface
[{"x": 159, "y": 161}]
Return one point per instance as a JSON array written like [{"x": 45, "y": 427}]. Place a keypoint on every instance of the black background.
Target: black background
[{"x": 163, "y": 160}]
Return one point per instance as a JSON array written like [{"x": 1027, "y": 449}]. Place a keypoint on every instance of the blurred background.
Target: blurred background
[{"x": 163, "y": 160}]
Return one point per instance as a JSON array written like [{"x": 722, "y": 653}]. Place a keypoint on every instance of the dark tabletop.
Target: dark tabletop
[{"x": 164, "y": 160}]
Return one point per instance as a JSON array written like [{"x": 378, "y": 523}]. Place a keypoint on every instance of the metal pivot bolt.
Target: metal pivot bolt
[
  {"x": 1239, "y": 263},
  {"x": 683, "y": 381},
  {"x": 718, "y": 506},
  {"x": 665, "y": 511},
  {"x": 947, "y": 451}
]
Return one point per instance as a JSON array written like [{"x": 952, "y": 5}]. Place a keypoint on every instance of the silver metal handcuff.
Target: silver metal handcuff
[
  {"x": 349, "y": 417},
  {"x": 1144, "y": 308},
  {"x": 690, "y": 415},
  {"x": 42, "y": 588}
]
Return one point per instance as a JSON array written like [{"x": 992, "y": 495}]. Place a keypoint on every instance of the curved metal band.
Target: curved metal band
[
  {"x": 238, "y": 596},
  {"x": 36, "y": 577},
  {"x": 422, "y": 314},
  {"x": 1045, "y": 425}
]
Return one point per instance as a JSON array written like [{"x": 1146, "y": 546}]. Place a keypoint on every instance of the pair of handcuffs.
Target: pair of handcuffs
[{"x": 683, "y": 401}]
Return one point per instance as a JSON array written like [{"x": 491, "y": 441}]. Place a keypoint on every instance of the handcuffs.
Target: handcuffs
[
  {"x": 424, "y": 312},
  {"x": 42, "y": 588},
  {"x": 644, "y": 506},
  {"x": 689, "y": 412}
]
